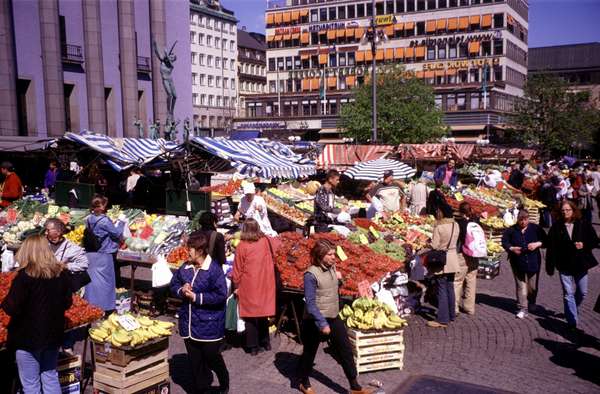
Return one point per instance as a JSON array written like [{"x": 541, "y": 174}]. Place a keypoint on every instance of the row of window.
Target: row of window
[
  {"x": 210, "y": 80},
  {"x": 252, "y": 54},
  {"x": 362, "y": 10},
  {"x": 441, "y": 51},
  {"x": 204, "y": 21},
  {"x": 213, "y": 101},
  {"x": 212, "y": 121},
  {"x": 198, "y": 58},
  {"x": 516, "y": 54},
  {"x": 253, "y": 69},
  {"x": 429, "y": 28},
  {"x": 254, "y": 87},
  {"x": 208, "y": 40}
]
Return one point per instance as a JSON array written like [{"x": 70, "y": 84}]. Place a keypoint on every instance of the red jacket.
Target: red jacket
[{"x": 12, "y": 191}]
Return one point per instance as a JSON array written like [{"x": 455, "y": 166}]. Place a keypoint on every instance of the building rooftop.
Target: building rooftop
[
  {"x": 212, "y": 8},
  {"x": 248, "y": 40},
  {"x": 565, "y": 57}
]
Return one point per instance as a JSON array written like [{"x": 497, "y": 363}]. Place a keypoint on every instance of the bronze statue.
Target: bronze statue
[
  {"x": 167, "y": 61},
  {"x": 155, "y": 129},
  {"x": 139, "y": 126}
]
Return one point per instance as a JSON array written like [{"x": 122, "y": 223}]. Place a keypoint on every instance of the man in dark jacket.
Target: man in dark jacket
[
  {"x": 447, "y": 174},
  {"x": 516, "y": 177},
  {"x": 325, "y": 209}
]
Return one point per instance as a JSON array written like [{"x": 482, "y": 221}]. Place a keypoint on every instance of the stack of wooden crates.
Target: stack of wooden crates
[
  {"x": 143, "y": 369},
  {"x": 377, "y": 350}
]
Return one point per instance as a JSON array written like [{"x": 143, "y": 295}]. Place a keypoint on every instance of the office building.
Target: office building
[{"x": 252, "y": 67}]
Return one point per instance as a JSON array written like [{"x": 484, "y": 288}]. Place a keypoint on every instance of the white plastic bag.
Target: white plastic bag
[
  {"x": 161, "y": 273},
  {"x": 8, "y": 260},
  {"x": 241, "y": 324}
]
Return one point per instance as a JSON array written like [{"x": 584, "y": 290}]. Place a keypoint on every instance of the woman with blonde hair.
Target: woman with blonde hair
[{"x": 38, "y": 298}]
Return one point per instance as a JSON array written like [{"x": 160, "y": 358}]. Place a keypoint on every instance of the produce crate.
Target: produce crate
[
  {"x": 122, "y": 356},
  {"x": 173, "y": 305},
  {"x": 488, "y": 268},
  {"x": 69, "y": 374},
  {"x": 534, "y": 215},
  {"x": 377, "y": 350},
  {"x": 145, "y": 380}
]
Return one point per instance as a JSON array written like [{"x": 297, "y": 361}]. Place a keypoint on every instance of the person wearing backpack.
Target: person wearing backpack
[
  {"x": 472, "y": 245},
  {"x": 101, "y": 241},
  {"x": 523, "y": 242}
]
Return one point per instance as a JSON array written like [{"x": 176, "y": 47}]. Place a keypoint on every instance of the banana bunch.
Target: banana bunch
[
  {"x": 76, "y": 236},
  {"x": 532, "y": 204},
  {"x": 494, "y": 222},
  {"x": 111, "y": 331},
  {"x": 367, "y": 314},
  {"x": 493, "y": 247}
]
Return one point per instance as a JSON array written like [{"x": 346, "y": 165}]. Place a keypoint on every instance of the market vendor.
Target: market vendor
[
  {"x": 12, "y": 189},
  {"x": 447, "y": 174},
  {"x": 324, "y": 202},
  {"x": 255, "y": 207},
  {"x": 66, "y": 252},
  {"x": 388, "y": 192}
]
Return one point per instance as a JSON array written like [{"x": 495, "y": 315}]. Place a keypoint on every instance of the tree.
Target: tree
[
  {"x": 553, "y": 117},
  {"x": 406, "y": 111}
]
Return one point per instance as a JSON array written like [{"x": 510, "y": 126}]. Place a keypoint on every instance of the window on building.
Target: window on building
[
  {"x": 209, "y": 22},
  {"x": 225, "y": 63},
  {"x": 498, "y": 73},
  {"x": 399, "y": 6},
  {"x": 297, "y": 64},
  {"x": 453, "y": 3},
  {"x": 203, "y": 21},
  {"x": 209, "y": 60},
  {"x": 232, "y": 83},
  {"x": 420, "y": 28},
  {"x": 211, "y": 100},
  {"x": 351, "y": 11},
  {"x": 442, "y": 3},
  {"x": 463, "y": 76},
  {"x": 498, "y": 21},
  {"x": 232, "y": 46},
  {"x": 379, "y": 8},
  {"x": 463, "y": 49},
  {"x": 389, "y": 7},
  {"x": 193, "y": 37},
  {"x": 232, "y": 64},
  {"x": 200, "y": 39},
  {"x": 474, "y": 75},
  {"x": 475, "y": 101},
  {"x": 341, "y": 11},
  {"x": 217, "y": 42},
  {"x": 195, "y": 100},
  {"x": 218, "y": 101},
  {"x": 217, "y": 62},
  {"x": 210, "y": 80},
  {"x": 225, "y": 102},
  {"x": 225, "y": 43},
  {"x": 272, "y": 64},
  {"x": 332, "y": 60},
  {"x": 218, "y": 82},
  {"x": 452, "y": 54},
  {"x": 322, "y": 14},
  {"x": 486, "y": 48},
  {"x": 438, "y": 101},
  {"x": 193, "y": 19},
  {"x": 463, "y": 3},
  {"x": 202, "y": 79},
  {"x": 201, "y": 59},
  {"x": 431, "y": 4},
  {"x": 342, "y": 59},
  {"x": 498, "y": 47},
  {"x": 194, "y": 79},
  {"x": 202, "y": 99},
  {"x": 351, "y": 59},
  {"x": 360, "y": 10},
  {"x": 369, "y": 9},
  {"x": 194, "y": 57},
  {"x": 314, "y": 15},
  {"x": 442, "y": 51},
  {"x": 461, "y": 101},
  {"x": 209, "y": 41},
  {"x": 410, "y": 5},
  {"x": 451, "y": 102},
  {"x": 431, "y": 53},
  {"x": 288, "y": 63},
  {"x": 421, "y": 5},
  {"x": 452, "y": 79}
]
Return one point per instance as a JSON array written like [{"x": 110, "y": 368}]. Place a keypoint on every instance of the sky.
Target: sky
[{"x": 551, "y": 22}]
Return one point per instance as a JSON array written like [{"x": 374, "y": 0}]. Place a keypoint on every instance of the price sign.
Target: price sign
[
  {"x": 128, "y": 322},
  {"x": 374, "y": 232},
  {"x": 458, "y": 196},
  {"x": 363, "y": 240},
  {"x": 52, "y": 210},
  {"x": 341, "y": 254},
  {"x": 364, "y": 289},
  {"x": 11, "y": 215}
]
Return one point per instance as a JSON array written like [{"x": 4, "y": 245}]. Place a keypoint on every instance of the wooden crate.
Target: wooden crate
[
  {"x": 398, "y": 364},
  {"x": 144, "y": 381},
  {"x": 374, "y": 351},
  {"x": 122, "y": 356},
  {"x": 134, "y": 367}
]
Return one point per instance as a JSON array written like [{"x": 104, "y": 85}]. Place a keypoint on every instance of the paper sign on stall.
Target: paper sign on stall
[
  {"x": 458, "y": 196},
  {"x": 340, "y": 253},
  {"x": 52, "y": 210},
  {"x": 11, "y": 215},
  {"x": 364, "y": 289},
  {"x": 363, "y": 240},
  {"x": 128, "y": 322},
  {"x": 374, "y": 232}
]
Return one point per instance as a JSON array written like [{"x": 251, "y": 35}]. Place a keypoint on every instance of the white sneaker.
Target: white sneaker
[{"x": 521, "y": 315}]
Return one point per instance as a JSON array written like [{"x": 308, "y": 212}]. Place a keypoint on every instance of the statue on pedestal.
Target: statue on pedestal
[
  {"x": 139, "y": 126},
  {"x": 155, "y": 130},
  {"x": 167, "y": 61}
]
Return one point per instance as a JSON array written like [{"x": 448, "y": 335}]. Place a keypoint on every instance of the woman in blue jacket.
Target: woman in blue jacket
[{"x": 200, "y": 283}]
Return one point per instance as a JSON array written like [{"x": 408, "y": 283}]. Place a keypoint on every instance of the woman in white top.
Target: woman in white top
[{"x": 255, "y": 207}]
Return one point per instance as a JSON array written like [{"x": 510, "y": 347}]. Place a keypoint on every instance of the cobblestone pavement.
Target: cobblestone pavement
[{"x": 492, "y": 349}]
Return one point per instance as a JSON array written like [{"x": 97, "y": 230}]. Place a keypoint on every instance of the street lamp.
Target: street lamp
[{"x": 374, "y": 37}]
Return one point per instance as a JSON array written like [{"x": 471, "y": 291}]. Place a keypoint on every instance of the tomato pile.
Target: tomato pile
[
  {"x": 225, "y": 189},
  {"x": 81, "y": 312},
  {"x": 178, "y": 256},
  {"x": 293, "y": 259},
  {"x": 366, "y": 223},
  {"x": 477, "y": 206}
]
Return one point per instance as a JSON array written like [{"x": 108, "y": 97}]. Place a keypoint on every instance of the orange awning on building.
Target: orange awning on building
[
  {"x": 304, "y": 12},
  {"x": 452, "y": 24},
  {"x": 399, "y": 55},
  {"x": 360, "y": 56},
  {"x": 463, "y": 22},
  {"x": 323, "y": 32},
  {"x": 409, "y": 52},
  {"x": 389, "y": 30},
  {"x": 420, "y": 52},
  {"x": 331, "y": 34},
  {"x": 295, "y": 15},
  {"x": 339, "y": 33},
  {"x": 430, "y": 26},
  {"x": 287, "y": 17},
  {"x": 379, "y": 54},
  {"x": 368, "y": 55},
  {"x": 331, "y": 82},
  {"x": 295, "y": 36},
  {"x": 474, "y": 47},
  {"x": 510, "y": 20},
  {"x": 277, "y": 37},
  {"x": 399, "y": 26},
  {"x": 359, "y": 32},
  {"x": 269, "y": 18},
  {"x": 306, "y": 84},
  {"x": 305, "y": 39},
  {"x": 486, "y": 20},
  {"x": 474, "y": 19},
  {"x": 287, "y": 36},
  {"x": 419, "y": 74},
  {"x": 389, "y": 54},
  {"x": 270, "y": 38},
  {"x": 440, "y": 24},
  {"x": 304, "y": 56},
  {"x": 278, "y": 17},
  {"x": 451, "y": 71},
  {"x": 429, "y": 74},
  {"x": 409, "y": 26},
  {"x": 314, "y": 83},
  {"x": 440, "y": 73},
  {"x": 350, "y": 81},
  {"x": 350, "y": 33},
  {"x": 323, "y": 58}
]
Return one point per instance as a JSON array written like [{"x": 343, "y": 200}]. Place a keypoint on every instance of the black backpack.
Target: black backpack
[{"x": 91, "y": 243}]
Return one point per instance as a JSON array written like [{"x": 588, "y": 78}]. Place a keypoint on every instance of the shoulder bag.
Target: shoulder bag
[{"x": 435, "y": 260}]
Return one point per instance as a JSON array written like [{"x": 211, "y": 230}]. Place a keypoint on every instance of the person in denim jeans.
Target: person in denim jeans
[
  {"x": 571, "y": 241},
  {"x": 36, "y": 302}
]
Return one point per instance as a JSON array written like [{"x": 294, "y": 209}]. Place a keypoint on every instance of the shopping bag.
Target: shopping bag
[
  {"x": 161, "y": 273},
  {"x": 231, "y": 314}
]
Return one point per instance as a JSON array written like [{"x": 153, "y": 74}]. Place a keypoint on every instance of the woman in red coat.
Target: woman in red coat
[{"x": 254, "y": 279}]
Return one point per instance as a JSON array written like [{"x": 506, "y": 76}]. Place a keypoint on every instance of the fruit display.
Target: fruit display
[
  {"x": 111, "y": 331},
  {"x": 285, "y": 210},
  {"x": 223, "y": 189},
  {"x": 493, "y": 222},
  {"x": 311, "y": 187},
  {"x": 307, "y": 206},
  {"x": 394, "y": 249},
  {"x": 178, "y": 256},
  {"x": 493, "y": 248},
  {"x": 367, "y": 314},
  {"x": 76, "y": 236},
  {"x": 81, "y": 312},
  {"x": 357, "y": 263},
  {"x": 156, "y": 234},
  {"x": 477, "y": 206}
]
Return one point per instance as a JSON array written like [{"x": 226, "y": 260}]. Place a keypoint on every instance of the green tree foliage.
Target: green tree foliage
[
  {"x": 406, "y": 111},
  {"x": 553, "y": 117}
]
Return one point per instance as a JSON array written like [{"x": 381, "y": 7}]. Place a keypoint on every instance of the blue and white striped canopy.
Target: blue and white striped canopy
[
  {"x": 257, "y": 157},
  {"x": 373, "y": 170},
  {"x": 124, "y": 152}
]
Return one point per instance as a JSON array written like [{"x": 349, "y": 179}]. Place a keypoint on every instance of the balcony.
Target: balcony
[
  {"x": 143, "y": 64},
  {"x": 72, "y": 54},
  {"x": 276, "y": 4}
]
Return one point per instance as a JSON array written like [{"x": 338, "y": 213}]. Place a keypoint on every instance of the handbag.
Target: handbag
[
  {"x": 231, "y": 314},
  {"x": 435, "y": 260}
]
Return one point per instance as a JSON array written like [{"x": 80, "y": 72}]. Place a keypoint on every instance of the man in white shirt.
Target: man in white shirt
[{"x": 255, "y": 207}]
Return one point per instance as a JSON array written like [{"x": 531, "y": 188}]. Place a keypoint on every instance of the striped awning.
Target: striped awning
[
  {"x": 122, "y": 153},
  {"x": 262, "y": 158},
  {"x": 340, "y": 156},
  {"x": 373, "y": 170}
]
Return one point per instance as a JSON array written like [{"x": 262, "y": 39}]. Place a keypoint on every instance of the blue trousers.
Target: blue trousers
[
  {"x": 575, "y": 288},
  {"x": 37, "y": 371},
  {"x": 446, "y": 299}
]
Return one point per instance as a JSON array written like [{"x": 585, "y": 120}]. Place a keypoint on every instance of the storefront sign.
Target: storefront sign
[
  {"x": 358, "y": 71},
  {"x": 451, "y": 40},
  {"x": 259, "y": 125},
  {"x": 383, "y": 20},
  {"x": 326, "y": 26},
  {"x": 461, "y": 64},
  {"x": 287, "y": 30}
]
